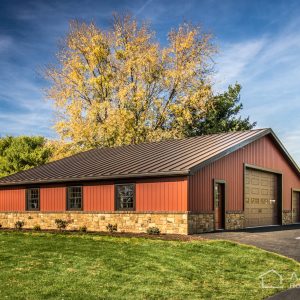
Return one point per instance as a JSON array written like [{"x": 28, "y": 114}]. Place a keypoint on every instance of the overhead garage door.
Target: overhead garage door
[
  {"x": 296, "y": 207},
  {"x": 261, "y": 199}
]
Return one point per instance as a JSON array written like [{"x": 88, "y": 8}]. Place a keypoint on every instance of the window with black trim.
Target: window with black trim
[
  {"x": 74, "y": 198},
  {"x": 33, "y": 199},
  {"x": 125, "y": 196}
]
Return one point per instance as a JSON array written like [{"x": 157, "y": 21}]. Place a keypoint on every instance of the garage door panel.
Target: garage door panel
[
  {"x": 264, "y": 201},
  {"x": 254, "y": 191},
  {"x": 255, "y": 181},
  {"x": 296, "y": 207},
  {"x": 254, "y": 201},
  {"x": 253, "y": 222},
  {"x": 260, "y": 190}
]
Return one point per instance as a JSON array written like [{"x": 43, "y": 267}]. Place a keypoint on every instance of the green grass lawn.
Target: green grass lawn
[{"x": 64, "y": 266}]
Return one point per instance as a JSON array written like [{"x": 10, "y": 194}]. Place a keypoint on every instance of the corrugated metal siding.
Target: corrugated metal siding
[
  {"x": 53, "y": 198},
  {"x": 262, "y": 153},
  {"x": 12, "y": 199},
  {"x": 98, "y": 197},
  {"x": 162, "y": 195}
]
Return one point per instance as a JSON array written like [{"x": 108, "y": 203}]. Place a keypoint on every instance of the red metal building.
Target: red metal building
[{"x": 221, "y": 181}]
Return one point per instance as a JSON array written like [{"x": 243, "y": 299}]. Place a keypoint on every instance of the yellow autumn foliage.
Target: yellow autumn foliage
[{"x": 120, "y": 86}]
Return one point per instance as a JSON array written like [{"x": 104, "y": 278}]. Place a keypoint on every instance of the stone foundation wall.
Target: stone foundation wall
[
  {"x": 169, "y": 223},
  {"x": 172, "y": 223},
  {"x": 234, "y": 220},
  {"x": 287, "y": 217},
  {"x": 204, "y": 222},
  {"x": 201, "y": 222}
]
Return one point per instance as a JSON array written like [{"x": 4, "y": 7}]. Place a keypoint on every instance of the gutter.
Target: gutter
[{"x": 89, "y": 179}]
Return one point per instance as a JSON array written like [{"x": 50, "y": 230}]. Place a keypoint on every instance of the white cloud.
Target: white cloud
[
  {"x": 142, "y": 7},
  {"x": 5, "y": 42},
  {"x": 291, "y": 142},
  {"x": 23, "y": 109},
  {"x": 268, "y": 68},
  {"x": 235, "y": 58}
]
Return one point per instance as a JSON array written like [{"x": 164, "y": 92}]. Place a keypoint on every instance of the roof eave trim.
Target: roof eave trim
[
  {"x": 91, "y": 179},
  {"x": 226, "y": 152}
]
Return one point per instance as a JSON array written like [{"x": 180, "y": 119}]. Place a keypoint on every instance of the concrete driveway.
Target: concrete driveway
[{"x": 284, "y": 240}]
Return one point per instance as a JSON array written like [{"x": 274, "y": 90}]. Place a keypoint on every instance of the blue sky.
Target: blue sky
[{"x": 259, "y": 47}]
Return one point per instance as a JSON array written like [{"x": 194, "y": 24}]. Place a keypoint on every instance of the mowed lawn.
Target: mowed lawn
[{"x": 65, "y": 266}]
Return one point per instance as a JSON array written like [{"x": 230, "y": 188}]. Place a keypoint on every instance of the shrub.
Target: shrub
[
  {"x": 83, "y": 228},
  {"x": 37, "y": 227},
  {"x": 62, "y": 224},
  {"x": 153, "y": 230},
  {"x": 111, "y": 228},
  {"x": 19, "y": 225}
]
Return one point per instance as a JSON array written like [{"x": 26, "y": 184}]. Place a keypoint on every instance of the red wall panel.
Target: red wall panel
[
  {"x": 162, "y": 195},
  {"x": 167, "y": 194},
  {"x": 12, "y": 199},
  {"x": 262, "y": 153},
  {"x": 53, "y": 198},
  {"x": 98, "y": 197}
]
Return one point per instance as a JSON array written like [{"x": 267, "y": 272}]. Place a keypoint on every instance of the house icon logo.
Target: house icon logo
[
  {"x": 271, "y": 280},
  {"x": 294, "y": 281}
]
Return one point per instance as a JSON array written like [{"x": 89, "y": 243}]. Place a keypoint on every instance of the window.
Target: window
[
  {"x": 75, "y": 198},
  {"x": 33, "y": 199},
  {"x": 125, "y": 196}
]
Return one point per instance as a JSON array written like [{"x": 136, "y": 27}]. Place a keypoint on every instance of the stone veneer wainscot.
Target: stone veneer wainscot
[
  {"x": 172, "y": 223},
  {"x": 287, "y": 217},
  {"x": 234, "y": 220}
]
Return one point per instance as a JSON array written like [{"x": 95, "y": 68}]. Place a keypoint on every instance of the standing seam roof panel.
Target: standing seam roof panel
[{"x": 170, "y": 157}]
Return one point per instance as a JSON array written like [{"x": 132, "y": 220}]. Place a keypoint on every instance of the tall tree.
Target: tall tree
[
  {"x": 22, "y": 153},
  {"x": 222, "y": 115},
  {"x": 120, "y": 86}
]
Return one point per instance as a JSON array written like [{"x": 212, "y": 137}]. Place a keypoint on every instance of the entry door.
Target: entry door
[
  {"x": 296, "y": 207},
  {"x": 219, "y": 205}
]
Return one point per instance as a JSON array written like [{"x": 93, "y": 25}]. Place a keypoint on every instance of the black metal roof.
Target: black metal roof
[{"x": 165, "y": 158}]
